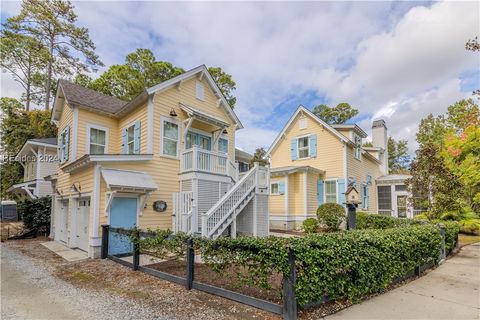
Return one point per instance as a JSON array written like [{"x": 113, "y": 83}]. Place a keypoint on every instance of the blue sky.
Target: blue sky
[{"x": 393, "y": 60}]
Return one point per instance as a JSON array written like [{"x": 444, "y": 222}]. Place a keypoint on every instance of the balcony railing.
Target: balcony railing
[{"x": 200, "y": 160}]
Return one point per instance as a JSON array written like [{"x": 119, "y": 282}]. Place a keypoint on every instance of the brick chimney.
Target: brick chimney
[{"x": 380, "y": 140}]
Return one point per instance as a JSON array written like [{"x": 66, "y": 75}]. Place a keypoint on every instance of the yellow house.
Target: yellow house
[
  {"x": 313, "y": 163},
  {"x": 164, "y": 160}
]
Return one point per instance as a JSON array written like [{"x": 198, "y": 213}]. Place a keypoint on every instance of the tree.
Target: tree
[
  {"x": 225, "y": 83},
  {"x": 17, "y": 126},
  {"x": 52, "y": 23},
  {"x": 335, "y": 115},
  {"x": 25, "y": 58},
  {"x": 474, "y": 45},
  {"x": 398, "y": 157},
  {"x": 260, "y": 156}
]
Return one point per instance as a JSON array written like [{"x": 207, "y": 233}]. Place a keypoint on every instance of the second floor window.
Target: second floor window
[
  {"x": 131, "y": 138},
  {"x": 98, "y": 139},
  {"x": 331, "y": 191},
  {"x": 64, "y": 144},
  {"x": 170, "y": 138},
  {"x": 303, "y": 148},
  {"x": 223, "y": 145}
]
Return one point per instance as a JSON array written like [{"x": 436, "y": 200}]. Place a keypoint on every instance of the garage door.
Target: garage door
[
  {"x": 63, "y": 220},
  {"x": 81, "y": 220},
  {"x": 123, "y": 214}
]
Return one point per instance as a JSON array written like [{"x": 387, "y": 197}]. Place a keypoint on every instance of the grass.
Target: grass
[
  {"x": 466, "y": 239},
  {"x": 81, "y": 276}
]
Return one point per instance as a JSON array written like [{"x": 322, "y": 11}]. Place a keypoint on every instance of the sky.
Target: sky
[{"x": 398, "y": 61}]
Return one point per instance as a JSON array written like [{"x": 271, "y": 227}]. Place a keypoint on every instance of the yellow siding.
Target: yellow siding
[
  {"x": 277, "y": 202},
  {"x": 329, "y": 149},
  {"x": 86, "y": 118},
  {"x": 296, "y": 194},
  {"x": 312, "y": 199},
  {"x": 359, "y": 169},
  {"x": 140, "y": 113}
]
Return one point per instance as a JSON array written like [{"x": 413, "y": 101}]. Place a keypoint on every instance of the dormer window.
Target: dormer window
[{"x": 200, "y": 91}]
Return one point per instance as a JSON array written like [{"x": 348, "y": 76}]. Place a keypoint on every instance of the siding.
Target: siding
[
  {"x": 66, "y": 119},
  {"x": 277, "y": 202},
  {"x": 48, "y": 167},
  {"x": 312, "y": 199},
  {"x": 140, "y": 113},
  {"x": 329, "y": 149},
  {"x": 296, "y": 194},
  {"x": 86, "y": 118}
]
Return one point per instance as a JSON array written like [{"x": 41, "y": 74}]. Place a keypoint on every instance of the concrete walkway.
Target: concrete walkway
[
  {"x": 452, "y": 291},
  {"x": 64, "y": 251}
]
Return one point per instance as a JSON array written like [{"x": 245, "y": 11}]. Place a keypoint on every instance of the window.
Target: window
[
  {"x": 131, "y": 140},
  {"x": 200, "y": 91},
  {"x": 98, "y": 141},
  {"x": 384, "y": 200},
  {"x": 303, "y": 147},
  {"x": 364, "y": 196},
  {"x": 400, "y": 187},
  {"x": 170, "y": 138},
  {"x": 303, "y": 123},
  {"x": 277, "y": 188},
  {"x": 274, "y": 188},
  {"x": 402, "y": 206},
  {"x": 64, "y": 144},
  {"x": 331, "y": 191},
  {"x": 243, "y": 167},
  {"x": 223, "y": 145},
  {"x": 358, "y": 147}
]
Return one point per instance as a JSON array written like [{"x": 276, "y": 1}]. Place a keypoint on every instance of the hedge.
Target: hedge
[
  {"x": 35, "y": 213},
  {"x": 452, "y": 228},
  {"x": 377, "y": 221},
  {"x": 346, "y": 264}
]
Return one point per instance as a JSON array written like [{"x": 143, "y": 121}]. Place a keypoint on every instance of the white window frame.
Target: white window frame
[
  {"x": 278, "y": 188},
  {"x": 357, "y": 152},
  {"x": 179, "y": 125},
  {"x": 325, "y": 190},
  {"x": 200, "y": 95},
  {"x": 98, "y": 127},
  {"x": 63, "y": 145},
  {"x": 298, "y": 147},
  {"x": 224, "y": 137}
]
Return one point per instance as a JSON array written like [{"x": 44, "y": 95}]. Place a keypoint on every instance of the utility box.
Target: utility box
[{"x": 8, "y": 210}]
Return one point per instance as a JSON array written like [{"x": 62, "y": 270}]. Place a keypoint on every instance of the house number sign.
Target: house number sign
[{"x": 160, "y": 206}]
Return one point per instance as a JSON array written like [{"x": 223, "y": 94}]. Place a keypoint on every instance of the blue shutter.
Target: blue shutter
[
  {"x": 294, "y": 149},
  {"x": 66, "y": 143},
  {"x": 281, "y": 187},
  {"x": 313, "y": 145},
  {"x": 124, "y": 141},
  {"x": 365, "y": 206},
  {"x": 136, "y": 137},
  {"x": 341, "y": 191},
  {"x": 361, "y": 194},
  {"x": 320, "y": 192}
]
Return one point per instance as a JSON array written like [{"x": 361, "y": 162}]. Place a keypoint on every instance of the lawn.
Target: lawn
[{"x": 466, "y": 239}]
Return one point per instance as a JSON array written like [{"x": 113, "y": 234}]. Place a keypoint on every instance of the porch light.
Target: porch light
[
  {"x": 173, "y": 113},
  {"x": 225, "y": 131}
]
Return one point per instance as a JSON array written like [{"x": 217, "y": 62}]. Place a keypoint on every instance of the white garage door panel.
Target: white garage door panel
[
  {"x": 81, "y": 221},
  {"x": 62, "y": 220}
]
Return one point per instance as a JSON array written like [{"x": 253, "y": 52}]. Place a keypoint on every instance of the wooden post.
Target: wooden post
[
  {"x": 105, "y": 231},
  {"x": 190, "y": 264},
  {"x": 289, "y": 298},
  {"x": 136, "y": 251}
]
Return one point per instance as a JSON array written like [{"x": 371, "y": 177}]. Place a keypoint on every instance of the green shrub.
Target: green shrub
[
  {"x": 331, "y": 215},
  {"x": 376, "y": 221},
  {"x": 452, "y": 228},
  {"x": 35, "y": 213},
  {"x": 310, "y": 225}
]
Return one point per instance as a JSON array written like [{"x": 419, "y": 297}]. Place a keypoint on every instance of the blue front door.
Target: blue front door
[{"x": 123, "y": 214}]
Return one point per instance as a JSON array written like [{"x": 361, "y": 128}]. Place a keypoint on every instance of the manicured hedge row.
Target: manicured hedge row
[
  {"x": 452, "y": 228},
  {"x": 377, "y": 221},
  {"x": 352, "y": 264}
]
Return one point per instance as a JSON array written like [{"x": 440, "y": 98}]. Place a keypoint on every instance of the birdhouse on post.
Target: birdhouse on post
[{"x": 352, "y": 201}]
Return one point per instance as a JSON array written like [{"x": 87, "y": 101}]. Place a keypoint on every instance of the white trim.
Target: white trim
[
  {"x": 208, "y": 77},
  {"x": 179, "y": 133},
  {"x": 98, "y": 127},
  {"x": 286, "y": 204},
  {"x": 74, "y": 134},
  {"x": 150, "y": 108},
  {"x": 325, "y": 189},
  {"x": 95, "y": 201},
  {"x": 305, "y": 208},
  {"x": 278, "y": 188},
  {"x": 128, "y": 126},
  {"x": 315, "y": 118},
  {"x": 298, "y": 146}
]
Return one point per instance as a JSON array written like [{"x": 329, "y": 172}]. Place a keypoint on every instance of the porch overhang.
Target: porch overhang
[
  {"x": 27, "y": 188},
  {"x": 282, "y": 171},
  {"x": 90, "y": 159},
  {"x": 199, "y": 115},
  {"x": 128, "y": 181}
]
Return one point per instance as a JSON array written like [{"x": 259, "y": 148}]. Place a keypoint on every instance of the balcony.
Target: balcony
[{"x": 200, "y": 160}]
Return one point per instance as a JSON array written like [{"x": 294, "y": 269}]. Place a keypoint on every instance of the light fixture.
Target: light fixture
[
  {"x": 173, "y": 113},
  {"x": 225, "y": 131},
  {"x": 74, "y": 188}
]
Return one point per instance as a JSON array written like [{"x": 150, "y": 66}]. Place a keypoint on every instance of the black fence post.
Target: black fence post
[
  {"x": 289, "y": 281},
  {"x": 105, "y": 231},
  {"x": 190, "y": 264},
  {"x": 352, "y": 216},
  {"x": 417, "y": 271},
  {"x": 136, "y": 250},
  {"x": 441, "y": 254}
]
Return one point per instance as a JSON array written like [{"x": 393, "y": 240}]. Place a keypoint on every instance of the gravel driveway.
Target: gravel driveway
[{"x": 36, "y": 284}]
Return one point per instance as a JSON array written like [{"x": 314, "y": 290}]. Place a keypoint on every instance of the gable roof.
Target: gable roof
[
  {"x": 52, "y": 141},
  {"x": 353, "y": 127},
  {"x": 302, "y": 109},
  {"x": 41, "y": 142},
  {"x": 96, "y": 101}
]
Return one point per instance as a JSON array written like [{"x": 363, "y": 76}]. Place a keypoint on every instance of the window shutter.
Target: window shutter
[
  {"x": 313, "y": 145},
  {"x": 60, "y": 148},
  {"x": 294, "y": 149},
  {"x": 136, "y": 137},
  {"x": 361, "y": 195},
  {"x": 66, "y": 143},
  {"x": 341, "y": 191},
  {"x": 320, "y": 192},
  {"x": 281, "y": 187},
  {"x": 365, "y": 205},
  {"x": 124, "y": 141}
]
